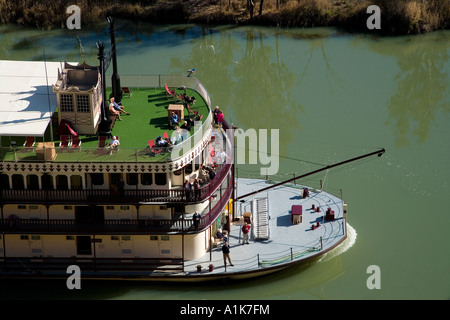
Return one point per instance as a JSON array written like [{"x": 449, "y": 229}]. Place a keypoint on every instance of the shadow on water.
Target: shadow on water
[{"x": 290, "y": 281}]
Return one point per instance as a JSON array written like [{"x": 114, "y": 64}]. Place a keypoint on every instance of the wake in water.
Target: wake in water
[{"x": 344, "y": 246}]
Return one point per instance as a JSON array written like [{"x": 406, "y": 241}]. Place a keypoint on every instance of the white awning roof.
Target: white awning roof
[{"x": 26, "y": 101}]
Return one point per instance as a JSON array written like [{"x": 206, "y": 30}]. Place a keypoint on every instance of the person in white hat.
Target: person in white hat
[{"x": 114, "y": 144}]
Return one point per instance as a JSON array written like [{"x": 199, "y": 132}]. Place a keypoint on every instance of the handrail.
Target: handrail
[
  {"x": 33, "y": 264},
  {"x": 108, "y": 226},
  {"x": 103, "y": 196}
]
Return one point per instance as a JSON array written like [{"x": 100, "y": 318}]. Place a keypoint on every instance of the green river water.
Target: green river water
[{"x": 332, "y": 96}]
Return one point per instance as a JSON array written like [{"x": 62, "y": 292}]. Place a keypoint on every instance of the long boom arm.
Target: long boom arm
[{"x": 379, "y": 153}]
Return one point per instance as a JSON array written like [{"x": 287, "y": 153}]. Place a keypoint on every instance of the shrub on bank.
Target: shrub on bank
[{"x": 397, "y": 16}]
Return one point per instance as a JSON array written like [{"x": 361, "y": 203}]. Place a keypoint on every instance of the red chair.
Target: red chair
[
  {"x": 76, "y": 142},
  {"x": 154, "y": 149},
  {"x": 29, "y": 142},
  {"x": 165, "y": 135},
  {"x": 127, "y": 91},
  {"x": 65, "y": 141},
  {"x": 169, "y": 92}
]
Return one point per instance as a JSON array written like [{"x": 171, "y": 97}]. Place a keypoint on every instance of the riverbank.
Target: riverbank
[{"x": 397, "y": 17}]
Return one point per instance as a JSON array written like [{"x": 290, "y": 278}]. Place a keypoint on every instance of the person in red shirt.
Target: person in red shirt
[
  {"x": 220, "y": 117},
  {"x": 245, "y": 231}
]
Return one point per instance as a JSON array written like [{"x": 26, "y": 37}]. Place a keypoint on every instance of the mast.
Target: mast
[
  {"x": 115, "y": 78},
  {"x": 379, "y": 153},
  {"x": 105, "y": 123}
]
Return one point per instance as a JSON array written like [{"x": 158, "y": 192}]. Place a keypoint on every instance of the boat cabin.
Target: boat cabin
[{"x": 79, "y": 97}]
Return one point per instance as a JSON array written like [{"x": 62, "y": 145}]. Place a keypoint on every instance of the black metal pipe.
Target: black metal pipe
[
  {"x": 379, "y": 153},
  {"x": 115, "y": 78}
]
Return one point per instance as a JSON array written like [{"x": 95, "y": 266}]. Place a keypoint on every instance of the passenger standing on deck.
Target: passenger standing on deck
[
  {"x": 226, "y": 253},
  {"x": 245, "y": 231},
  {"x": 187, "y": 189},
  {"x": 216, "y": 112},
  {"x": 197, "y": 189},
  {"x": 197, "y": 216},
  {"x": 220, "y": 118}
]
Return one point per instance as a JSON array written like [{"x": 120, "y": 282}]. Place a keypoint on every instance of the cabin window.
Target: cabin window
[
  {"x": 188, "y": 168},
  {"x": 62, "y": 182},
  {"x": 76, "y": 182},
  {"x": 126, "y": 238},
  {"x": 132, "y": 179},
  {"x": 154, "y": 238},
  {"x": 146, "y": 179},
  {"x": 66, "y": 103},
  {"x": 115, "y": 178},
  {"x": 83, "y": 103},
  {"x": 115, "y": 238},
  {"x": 84, "y": 245},
  {"x": 47, "y": 182},
  {"x": 97, "y": 179},
  {"x": 23, "y": 237},
  {"x": 160, "y": 179},
  {"x": 35, "y": 238},
  {"x": 165, "y": 238},
  {"x": 197, "y": 163},
  {"x": 4, "y": 181},
  {"x": 17, "y": 182},
  {"x": 32, "y": 182},
  {"x": 70, "y": 237}
]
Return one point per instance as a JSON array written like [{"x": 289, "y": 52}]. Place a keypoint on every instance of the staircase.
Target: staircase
[{"x": 261, "y": 218}]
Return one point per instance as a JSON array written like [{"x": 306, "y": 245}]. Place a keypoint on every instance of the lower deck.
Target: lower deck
[{"x": 285, "y": 242}]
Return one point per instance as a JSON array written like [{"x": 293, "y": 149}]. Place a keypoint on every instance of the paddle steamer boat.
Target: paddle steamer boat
[{"x": 68, "y": 198}]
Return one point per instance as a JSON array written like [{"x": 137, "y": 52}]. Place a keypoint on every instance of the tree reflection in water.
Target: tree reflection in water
[{"x": 422, "y": 86}]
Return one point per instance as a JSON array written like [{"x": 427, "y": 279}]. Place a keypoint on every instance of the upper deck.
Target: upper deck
[{"x": 148, "y": 107}]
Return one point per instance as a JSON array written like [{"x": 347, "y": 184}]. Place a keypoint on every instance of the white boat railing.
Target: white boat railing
[{"x": 159, "y": 81}]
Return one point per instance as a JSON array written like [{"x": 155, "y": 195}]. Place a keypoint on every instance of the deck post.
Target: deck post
[
  {"x": 257, "y": 257},
  {"x": 182, "y": 238},
  {"x": 210, "y": 243},
  {"x": 292, "y": 256},
  {"x": 321, "y": 243},
  {"x": 4, "y": 247}
]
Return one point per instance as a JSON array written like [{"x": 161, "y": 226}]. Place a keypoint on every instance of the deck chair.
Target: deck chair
[
  {"x": 76, "y": 142},
  {"x": 190, "y": 110},
  {"x": 168, "y": 92},
  {"x": 153, "y": 148},
  {"x": 29, "y": 142},
  {"x": 165, "y": 135},
  {"x": 172, "y": 93},
  {"x": 127, "y": 91},
  {"x": 65, "y": 141}
]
